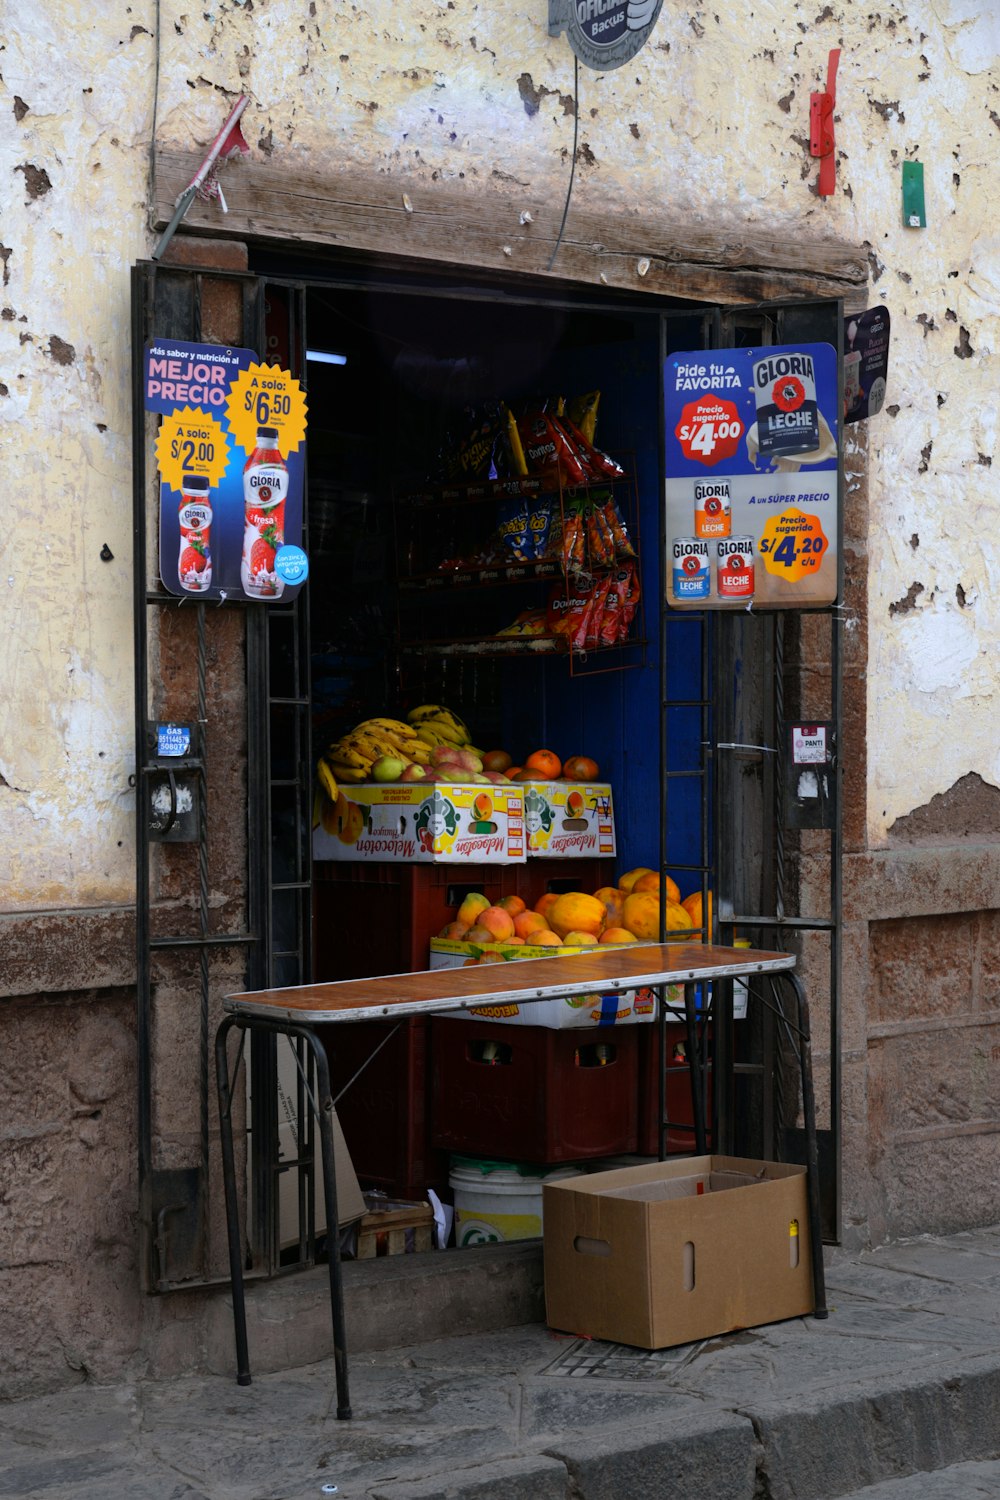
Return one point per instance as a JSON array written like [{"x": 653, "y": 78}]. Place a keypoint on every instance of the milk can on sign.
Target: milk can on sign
[
  {"x": 691, "y": 574},
  {"x": 734, "y": 573}
]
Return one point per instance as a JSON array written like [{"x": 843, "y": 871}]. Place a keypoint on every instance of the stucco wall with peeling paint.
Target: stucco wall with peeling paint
[{"x": 710, "y": 122}]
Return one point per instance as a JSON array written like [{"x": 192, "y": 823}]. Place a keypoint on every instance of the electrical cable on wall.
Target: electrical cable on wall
[
  {"x": 152, "y": 132},
  {"x": 572, "y": 170}
]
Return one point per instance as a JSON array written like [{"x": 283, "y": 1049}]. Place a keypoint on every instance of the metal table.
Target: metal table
[{"x": 296, "y": 1011}]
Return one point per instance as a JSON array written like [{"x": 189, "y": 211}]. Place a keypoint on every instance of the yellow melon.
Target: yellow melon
[{"x": 576, "y": 912}]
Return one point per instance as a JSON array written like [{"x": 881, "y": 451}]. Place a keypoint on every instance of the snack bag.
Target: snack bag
[
  {"x": 518, "y": 465},
  {"x": 547, "y": 449},
  {"x": 619, "y": 531},
  {"x": 604, "y": 591},
  {"x": 574, "y": 540},
  {"x": 600, "y": 542},
  {"x": 599, "y": 463},
  {"x": 630, "y": 591},
  {"x": 528, "y": 622},
  {"x": 609, "y": 627},
  {"x": 582, "y": 412},
  {"x": 567, "y": 615},
  {"x": 540, "y": 509},
  {"x": 512, "y": 530}
]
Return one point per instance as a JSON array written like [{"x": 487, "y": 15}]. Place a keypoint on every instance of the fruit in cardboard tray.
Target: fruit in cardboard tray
[
  {"x": 580, "y": 768},
  {"x": 513, "y": 772},
  {"x": 579, "y": 940},
  {"x": 528, "y": 923},
  {"x": 546, "y": 939},
  {"x": 693, "y": 906},
  {"x": 497, "y": 778},
  {"x": 651, "y": 882},
  {"x": 387, "y": 768},
  {"x": 479, "y": 934},
  {"x": 545, "y": 903},
  {"x": 617, "y": 935},
  {"x": 545, "y": 764},
  {"x": 455, "y": 932},
  {"x": 497, "y": 760},
  {"x": 576, "y": 912},
  {"x": 474, "y": 903},
  {"x": 613, "y": 899},
  {"x": 628, "y": 880},
  {"x": 497, "y": 921},
  {"x": 513, "y": 905},
  {"x": 412, "y": 772},
  {"x": 514, "y": 942},
  {"x": 523, "y": 773}
]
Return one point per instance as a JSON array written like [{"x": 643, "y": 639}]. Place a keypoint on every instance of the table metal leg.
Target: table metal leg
[
  {"x": 232, "y": 1200},
  {"x": 324, "y": 1110},
  {"x": 694, "y": 1066}
]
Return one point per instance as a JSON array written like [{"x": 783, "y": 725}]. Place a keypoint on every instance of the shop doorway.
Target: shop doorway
[{"x": 688, "y": 716}]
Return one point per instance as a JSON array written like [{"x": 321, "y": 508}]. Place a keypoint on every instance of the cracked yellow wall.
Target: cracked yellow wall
[{"x": 709, "y": 122}]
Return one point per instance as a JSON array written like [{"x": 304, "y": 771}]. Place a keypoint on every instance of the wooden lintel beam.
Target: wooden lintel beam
[{"x": 474, "y": 226}]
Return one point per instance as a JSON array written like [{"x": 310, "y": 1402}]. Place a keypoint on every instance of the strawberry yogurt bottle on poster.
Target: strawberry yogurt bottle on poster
[
  {"x": 194, "y": 516},
  {"x": 265, "y": 487}
]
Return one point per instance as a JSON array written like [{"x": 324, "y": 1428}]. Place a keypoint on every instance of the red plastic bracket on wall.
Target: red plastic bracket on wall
[{"x": 821, "y": 141}]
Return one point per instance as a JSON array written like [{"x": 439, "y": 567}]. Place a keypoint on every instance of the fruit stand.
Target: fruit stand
[{"x": 298, "y": 1012}]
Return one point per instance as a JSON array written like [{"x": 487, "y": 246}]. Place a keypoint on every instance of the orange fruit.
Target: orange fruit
[
  {"x": 614, "y": 901},
  {"x": 513, "y": 905},
  {"x": 545, "y": 764},
  {"x": 693, "y": 906},
  {"x": 628, "y": 880},
  {"x": 546, "y": 939},
  {"x": 651, "y": 882},
  {"x": 497, "y": 921},
  {"x": 617, "y": 935},
  {"x": 642, "y": 916},
  {"x": 576, "y": 912},
  {"x": 455, "y": 931},
  {"x": 528, "y": 922},
  {"x": 545, "y": 903},
  {"x": 580, "y": 940},
  {"x": 580, "y": 768}
]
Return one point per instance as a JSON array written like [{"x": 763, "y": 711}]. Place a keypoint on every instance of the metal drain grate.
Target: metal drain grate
[{"x": 586, "y": 1357}]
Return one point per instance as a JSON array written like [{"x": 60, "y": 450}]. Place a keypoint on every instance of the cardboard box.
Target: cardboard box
[
  {"x": 350, "y": 1203},
  {"x": 569, "y": 819},
  {"x": 460, "y": 823},
  {"x": 670, "y": 1252},
  {"x": 622, "y": 1008}
]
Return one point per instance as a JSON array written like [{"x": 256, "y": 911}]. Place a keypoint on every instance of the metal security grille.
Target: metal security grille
[{"x": 226, "y": 905}]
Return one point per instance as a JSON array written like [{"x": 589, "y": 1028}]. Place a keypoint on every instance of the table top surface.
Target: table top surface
[{"x": 570, "y": 972}]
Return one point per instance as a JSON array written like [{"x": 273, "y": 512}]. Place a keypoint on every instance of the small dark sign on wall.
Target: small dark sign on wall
[{"x": 604, "y": 33}]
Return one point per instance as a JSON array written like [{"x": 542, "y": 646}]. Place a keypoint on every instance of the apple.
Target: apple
[{"x": 387, "y": 768}]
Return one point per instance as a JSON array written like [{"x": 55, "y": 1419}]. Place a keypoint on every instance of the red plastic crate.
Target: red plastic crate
[
  {"x": 528, "y": 1094},
  {"x": 680, "y": 1110},
  {"x": 379, "y": 917},
  {"x": 385, "y": 1112}
]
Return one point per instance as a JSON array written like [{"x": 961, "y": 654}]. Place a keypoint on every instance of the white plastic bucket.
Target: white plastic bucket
[{"x": 495, "y": 1203}]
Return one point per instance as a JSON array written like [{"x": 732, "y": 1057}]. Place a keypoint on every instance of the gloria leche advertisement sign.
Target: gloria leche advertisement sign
[
  {"x": 230, "y": 453},
  {"x": 752, "y": 477}
]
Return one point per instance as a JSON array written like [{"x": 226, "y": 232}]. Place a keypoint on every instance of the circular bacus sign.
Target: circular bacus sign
[{"x": 604, "y": 33}]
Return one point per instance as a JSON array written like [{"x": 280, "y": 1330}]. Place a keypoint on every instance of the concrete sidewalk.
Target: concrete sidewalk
[{"x": 904, "y": 1378}]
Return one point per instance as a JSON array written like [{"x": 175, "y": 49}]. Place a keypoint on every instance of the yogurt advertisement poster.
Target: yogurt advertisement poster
[
  {"x": 752, "y": 477},
  {"x": 231, "y": 458}
]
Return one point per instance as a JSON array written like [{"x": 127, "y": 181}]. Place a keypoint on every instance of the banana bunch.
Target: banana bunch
[
  {"x": 437, "y": 725},
  {"x": 351, "y": 758}
]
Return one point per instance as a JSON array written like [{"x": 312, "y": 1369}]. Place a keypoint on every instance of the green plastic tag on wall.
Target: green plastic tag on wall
[{"x": 914, "y": 214}]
